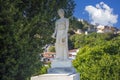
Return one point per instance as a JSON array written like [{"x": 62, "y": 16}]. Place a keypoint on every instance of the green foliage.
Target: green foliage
[
  {"x": 43, "y": 70},
  {"x": 99, "y": 60},
  {"x": 76, "y": 24},
  {"x": 52, "y": 49},
  {"x": 80, "y": 40},
  {"x": 25, "y": 27},
  {"x": 76, "y": 40}
]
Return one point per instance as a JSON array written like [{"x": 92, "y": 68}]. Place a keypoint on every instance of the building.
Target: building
[
  {"x": 47, "y": 57},
  {"x": 105, "y": 29},
  {"x": 91, "y": 29},
  {"x": 73, "y": 53},
  {"x": 118, "y": 32},
  {"x": 100, "y": 29},
  {"x": 79, "y": 31}
]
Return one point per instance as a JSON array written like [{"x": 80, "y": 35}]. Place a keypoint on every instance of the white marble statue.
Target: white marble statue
[{"x": 61, "y": 35}]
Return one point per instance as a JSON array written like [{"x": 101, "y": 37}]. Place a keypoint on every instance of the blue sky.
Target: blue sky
[{"x": 87, "y": 9}]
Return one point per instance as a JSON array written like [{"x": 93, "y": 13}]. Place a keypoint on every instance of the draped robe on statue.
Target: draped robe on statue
[{"x": 61, "y": 32}]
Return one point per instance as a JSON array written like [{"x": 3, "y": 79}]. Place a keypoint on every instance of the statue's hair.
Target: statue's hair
[{"x": 61, "y": 10}]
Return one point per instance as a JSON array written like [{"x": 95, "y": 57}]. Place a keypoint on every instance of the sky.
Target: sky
[{"x": 103, "y": 12}]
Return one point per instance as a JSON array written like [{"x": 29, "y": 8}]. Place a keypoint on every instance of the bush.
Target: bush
[
  {"x": 99, "y": 62},
  {"x": 52, "y": 49},
  {"x": 80, "y": 40}
]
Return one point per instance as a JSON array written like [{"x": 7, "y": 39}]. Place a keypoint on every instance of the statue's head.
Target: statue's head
[{"x": 61, "y": 12}]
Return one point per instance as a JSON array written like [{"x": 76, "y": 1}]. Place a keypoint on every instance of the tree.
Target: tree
[
  {"x": 80, "y": 40},
  {"x": 75, "y": 24},
  {"x": 99, "y": 62},
  {"x": 79, "y": 24},
  {"x": 25, "y": 27}
]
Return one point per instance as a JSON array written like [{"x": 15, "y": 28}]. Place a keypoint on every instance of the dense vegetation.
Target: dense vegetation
[
  {"x": 98, "y": 57},
  {"x": 25, "y": 27}
]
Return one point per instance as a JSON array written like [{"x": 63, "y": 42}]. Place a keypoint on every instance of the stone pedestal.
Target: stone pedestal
[
  {"x": 56, "y": 77},
  {"x": 60, "y": 67},
  {"x": 57, "y": 63},
  {"x": 60, "y": 70}
]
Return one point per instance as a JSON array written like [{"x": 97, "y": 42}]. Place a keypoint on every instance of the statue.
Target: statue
[
  {"x": 61, "y": 35},
  {"x": 61, "y": 67}
]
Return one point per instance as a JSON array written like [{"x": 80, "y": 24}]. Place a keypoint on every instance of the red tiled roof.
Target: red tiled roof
[
  {"x": 73, "y": 50},
  {"x": 48, "y": 54}
]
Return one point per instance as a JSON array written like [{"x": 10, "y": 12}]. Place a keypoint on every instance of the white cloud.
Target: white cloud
[{"x": 101, "y": 14}]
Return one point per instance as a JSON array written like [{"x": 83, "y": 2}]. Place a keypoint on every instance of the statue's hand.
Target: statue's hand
[{"x": 63, "y": 40}]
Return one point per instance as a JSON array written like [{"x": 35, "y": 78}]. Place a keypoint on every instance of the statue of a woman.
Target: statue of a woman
[{"x": 61, "y": 35}]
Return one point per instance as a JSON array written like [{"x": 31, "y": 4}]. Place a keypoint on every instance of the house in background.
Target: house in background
[
  {"x": 73, "y": 53},
  {"x": 78, "y": 31},
  {"x": 109, "y": 29},
  {"x": 100, "y": 29},
  {"x": 91, "y": 28},
  {"x": 106, "y": 29},
  {"x": 47, "y": 57},
  {"x": 118, "y": 32}
]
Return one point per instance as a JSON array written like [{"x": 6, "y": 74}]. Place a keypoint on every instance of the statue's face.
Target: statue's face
[{"x": 61, "y": 12}]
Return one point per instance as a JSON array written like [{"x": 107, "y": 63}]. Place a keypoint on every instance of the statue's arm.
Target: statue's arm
[
  {"x": 67, "y": 25},
  {"x": 55, "y": 28},
  {"x": 55, "y": 31}
]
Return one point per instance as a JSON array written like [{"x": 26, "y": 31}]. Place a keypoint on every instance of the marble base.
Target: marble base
[
  {"x": 60, "y": 70},
  {"x": 61, "y": 67},
  {"x": 57, "y": 77}
]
